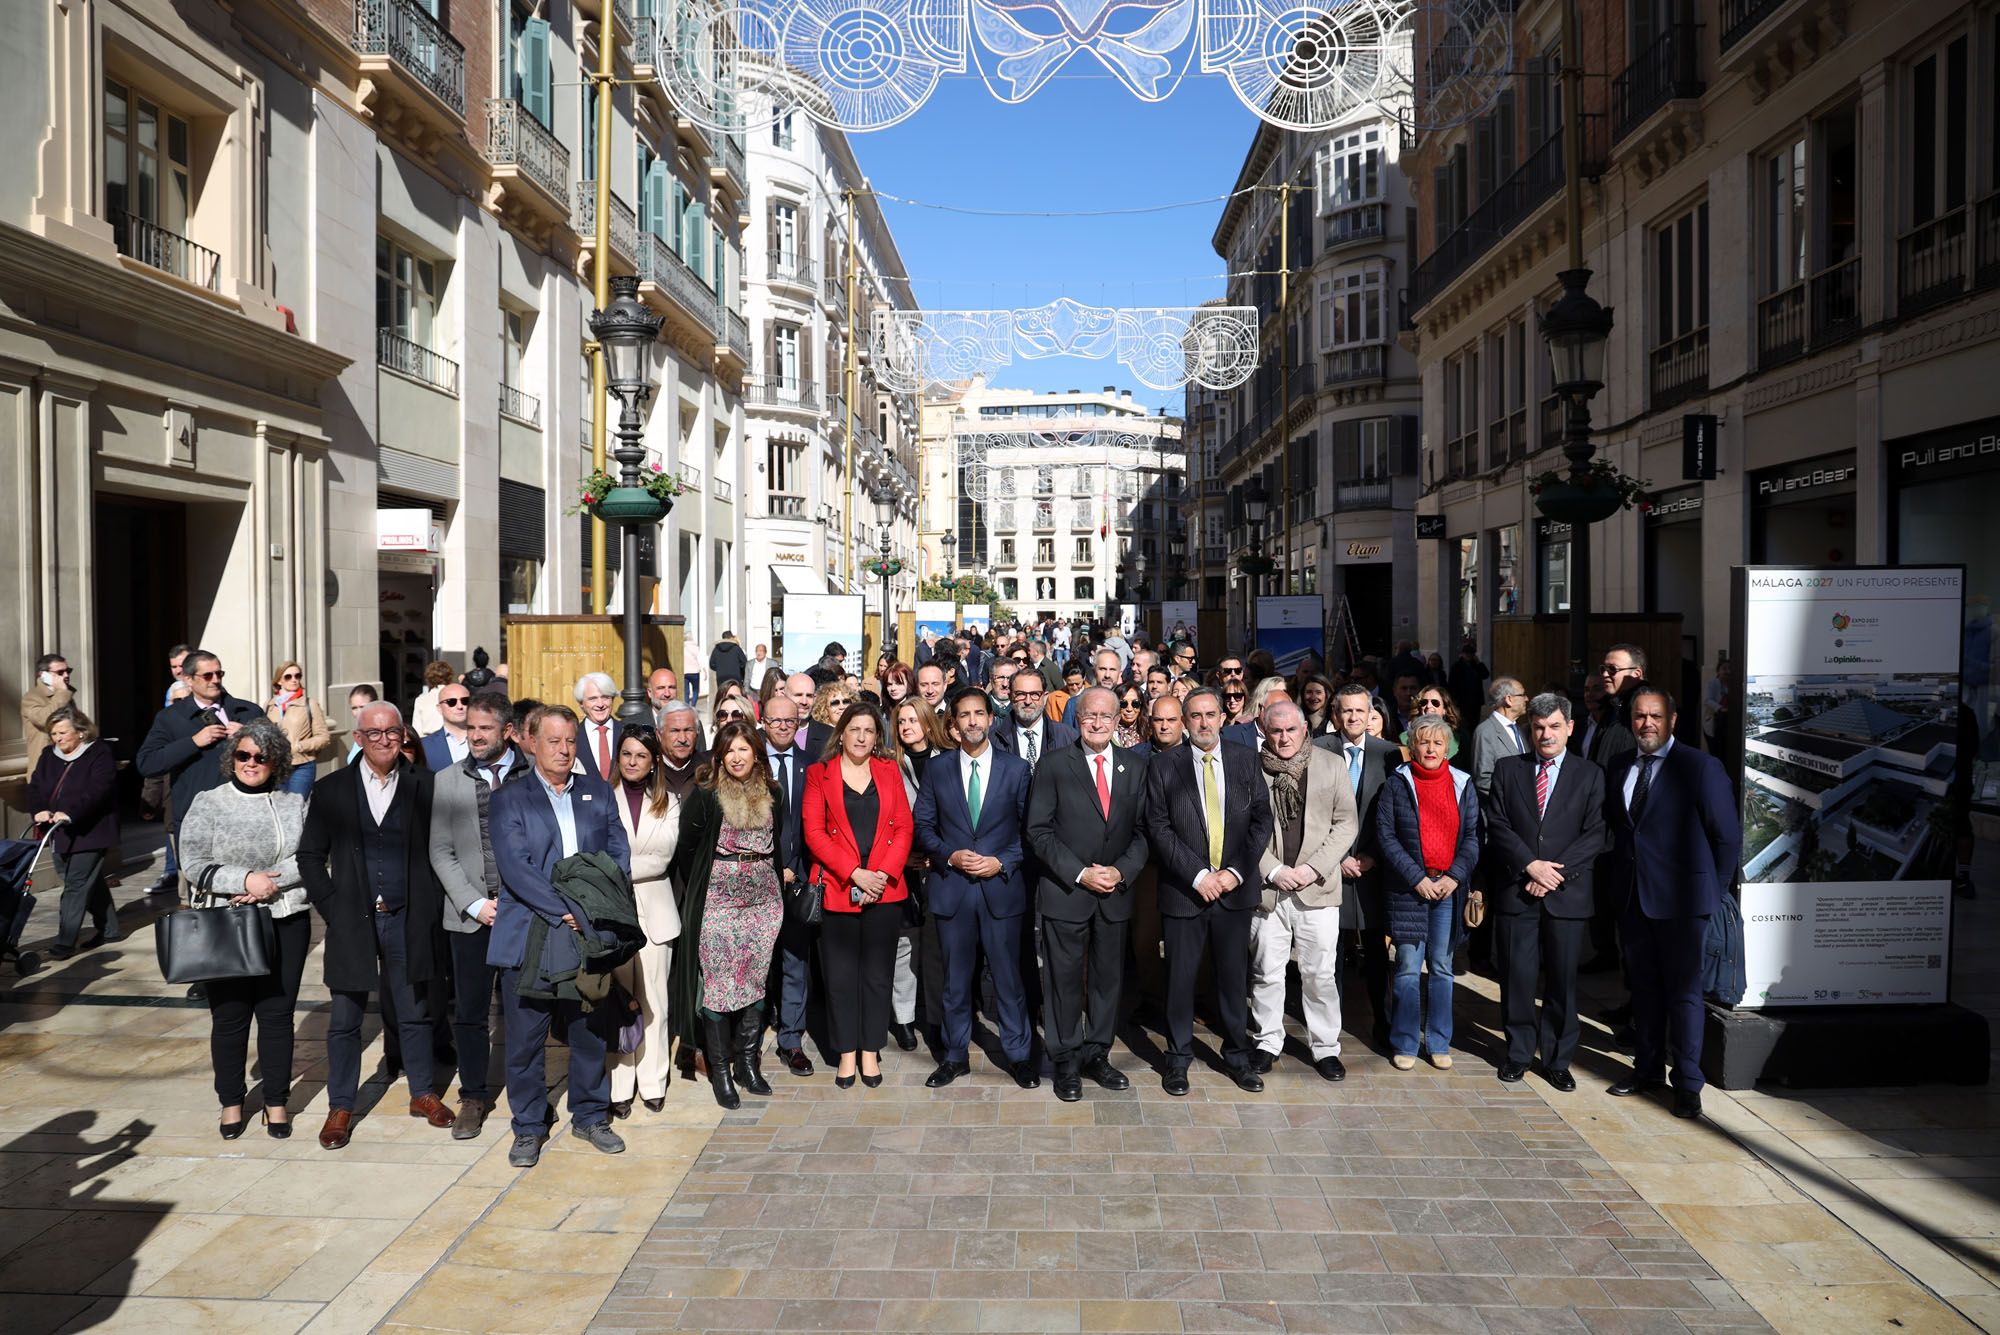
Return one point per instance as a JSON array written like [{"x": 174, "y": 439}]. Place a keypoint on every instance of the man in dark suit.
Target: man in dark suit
[
  {"x": 1364, "y": 916},
  {"x": 1208, "y": 818},
  {"x": 1605, "y": 734},
  {"x": 795, "y": 939},
  {"x": 181, "y": 743},
  {"x": 970, "y": 810},
  {"x": 447, "y": 746},
  {"x": 365, "y": 858},
  {"x": 1025, "y": 730},
  {"x": 536, "y": 823},
  {"x": 1545, "y": 828},
  {"x": 1678, "y": 838},
  {"x": 597, "y": 731},
  {"x": 1085, "y": 828}
]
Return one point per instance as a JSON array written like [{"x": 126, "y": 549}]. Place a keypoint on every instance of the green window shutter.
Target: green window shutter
[
  {"x": 676, "y": 226},
  {"x": 533, "y": 74},
  {"x": 697, "y": 238},
  {"x": 657, "y": 199},
  {"x": 588, "y": 138}
]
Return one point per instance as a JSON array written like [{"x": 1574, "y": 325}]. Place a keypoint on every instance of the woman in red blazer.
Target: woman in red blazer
[{"x": 857, "y": 828}]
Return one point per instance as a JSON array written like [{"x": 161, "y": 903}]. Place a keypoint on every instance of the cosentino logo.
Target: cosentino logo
[{"x": 1777, "y": 917}]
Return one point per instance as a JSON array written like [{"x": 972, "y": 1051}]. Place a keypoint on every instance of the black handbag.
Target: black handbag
[
  {"x": 202, "y": 945},
  {"x": 809, "y": 904}
]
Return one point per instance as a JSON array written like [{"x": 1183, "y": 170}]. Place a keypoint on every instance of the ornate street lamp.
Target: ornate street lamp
[
  {"x": 884, "y": 565},
  {"x": 1577, "y": 330},
  {"x": 626, "y": 330},
  {"x": 950, "y": 583},
  {"x": 1256, "y": 505}
]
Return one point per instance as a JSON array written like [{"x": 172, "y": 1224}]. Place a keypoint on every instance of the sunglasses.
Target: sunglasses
[
  {"x": 454, "y": 699},
  {"x": 1235, "y": 696},
  {"x": 729, "y": 715},
  {"x": 288, "y": 676},
  {"x": 61, "y": 672},
  {"x": 1232, "y": 671},
  {"x": 214, "y": 675},
  {"x": 248, "y": 757}
]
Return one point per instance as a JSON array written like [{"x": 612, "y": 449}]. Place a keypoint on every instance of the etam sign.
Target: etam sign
[{"x": 1362, "y": 552}]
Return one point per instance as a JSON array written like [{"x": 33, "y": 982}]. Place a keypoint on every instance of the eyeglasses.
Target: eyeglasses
[
  {"x": 729, "y": 715},
  {"x": 770, "y": 722},
  {"x": 214, "y": 674},
  {"x": 1231, "y": 671},
  {"x": 248, "y": 757},
  {"x": 454, "y": 699},
  {"x": 1128, "y": 704},
  {"x": 1613, "y": 670},
  {"x": 288, "y": 676},
  {"x": 1235, "y": 696},
  {"x": 61, "y": 671},
  {"x": 379, "y": 734}
]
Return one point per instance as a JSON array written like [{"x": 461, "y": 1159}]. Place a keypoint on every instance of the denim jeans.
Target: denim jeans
[{"x": 1407, "y": 1003}]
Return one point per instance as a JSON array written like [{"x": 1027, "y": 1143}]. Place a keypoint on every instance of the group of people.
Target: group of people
[{"x": 864, "y": 860}]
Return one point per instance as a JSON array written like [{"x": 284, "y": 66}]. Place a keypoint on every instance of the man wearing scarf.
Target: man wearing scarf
[{"x": 1314, "y": 822}]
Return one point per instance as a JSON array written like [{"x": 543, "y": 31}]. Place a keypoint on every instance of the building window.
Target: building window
[
  {"x": 1045, "y": 551},
  {"x": 781, "y": 131},
  {"x": 1006, "y": 557},
  {"x": 1351, "y": 169},
  {"x": 149, "y": 186},
  {"x": 785, "y": 235},
  {"x": 1085, "y": 481},
  {"x": 1080, "y": 555},
  {"x": 514, "y": 401},
  {"x": 784, "y": 462},
  {"x": 1680, "y": 308},
  {"x": 1086, "y": 590},
  {"x": 406, "y": 293},
  {"x": 785, "y": 347},
  {"x": 1351, "y": 309},
  {"x": 1374, "y": 460}
]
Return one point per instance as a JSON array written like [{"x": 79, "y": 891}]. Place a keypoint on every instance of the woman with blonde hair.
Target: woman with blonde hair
[
  {"x": 304, "y": 722},
  {"x": 831, "y": 700}
]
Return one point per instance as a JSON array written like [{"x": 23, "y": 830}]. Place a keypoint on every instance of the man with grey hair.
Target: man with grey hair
[
  {"x": 1545, "y": 829},
  {"x": 1500, "y": 734},
  {"x": 597, "y": 736},
  {"x": 677, "y": 736},
  {"x": 1314, "y": 822}
]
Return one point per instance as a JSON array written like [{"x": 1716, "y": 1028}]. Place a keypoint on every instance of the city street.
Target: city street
[{"x": 1394, "y": 1201}]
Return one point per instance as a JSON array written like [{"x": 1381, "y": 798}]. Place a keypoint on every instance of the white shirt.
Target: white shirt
[
  {"x": 455, "y": 743},
  {"x": 379, "y": 789},
  {"x": 1555, "y": 768},
  {"x": 984, "y": 760},
  {"x": 1090, "y": 757},
  {"x": 1201, "y": 768},
  {"x": 1632, "y": 775},
  {"x": 610, "y": 730},
  {"x": 1022, "y": 744}
]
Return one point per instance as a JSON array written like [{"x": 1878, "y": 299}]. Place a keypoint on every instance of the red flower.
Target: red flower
[{"x": 589, "y": 499}]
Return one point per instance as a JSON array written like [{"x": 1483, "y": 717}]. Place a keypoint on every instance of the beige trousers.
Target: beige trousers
[{"x": 643, "y": 1074}]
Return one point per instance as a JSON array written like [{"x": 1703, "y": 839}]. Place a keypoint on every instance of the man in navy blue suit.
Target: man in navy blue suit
[
  {"x": 969, "y": 818},
  {"x": 447, "y": 746},
  {"x": 1678, "y": 838},
  {"x": 535, "y": 824}
]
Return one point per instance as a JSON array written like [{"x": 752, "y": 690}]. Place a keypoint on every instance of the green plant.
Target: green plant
[
  {"x": 654, "y": 480},
  {"x": 1602, "y": 475}
]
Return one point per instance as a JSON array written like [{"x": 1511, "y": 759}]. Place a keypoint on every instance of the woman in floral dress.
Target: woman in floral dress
[{"x": 726, "y": 865}]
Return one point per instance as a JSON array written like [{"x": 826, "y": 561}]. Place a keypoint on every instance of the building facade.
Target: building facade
[
  {"x": 296, "y": 297},
  {"x": 1055, "y": 498},
  {"x": 1329, "y": 422},
  {"x": 813, "y": 521},
  {"x": 1794, "y": 210}
]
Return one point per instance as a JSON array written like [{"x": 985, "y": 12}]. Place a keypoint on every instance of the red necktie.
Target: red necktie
[
  {"x": 604, "y": 751},
  {"x": 1103, "y": 788},
  {"x": 1542, "y": 788}
]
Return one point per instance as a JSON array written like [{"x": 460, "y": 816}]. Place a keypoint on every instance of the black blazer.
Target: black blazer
[
  {"x": 1571, "y": 832},
  {"x": 1067, "y": 831},
  {"x": 169, "y": 749},
  {"x": 1361, "y": 903},
  {"x": 791, "y": 832},
  {"x": 1055, "y": 736},
  {"x": 1681, "y": 857},
  {"x": 586, "y": 752},
  {"x": 336, "y": 880},
  {"x": 1178, "y": 830}
]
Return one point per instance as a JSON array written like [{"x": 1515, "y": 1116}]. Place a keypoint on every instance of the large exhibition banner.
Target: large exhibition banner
[
  {"x": 1178, "y": 612},
  {"x": 1290, "y": 626},
  {"x": 815, "y": 620},
  {"x": 976, "y": 617},
  {"x": 939, "y": 618},
  {"x": 1850, "y": 683}
]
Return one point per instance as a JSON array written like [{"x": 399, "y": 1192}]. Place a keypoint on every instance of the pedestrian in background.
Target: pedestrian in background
[
  {"x": 186, "y": 732},
  {"x": 303, "y": 721},
  {"x": 424, "y": 716},
  {"x": 73, "y": 791},
  {"x": 48, "y": 692}
]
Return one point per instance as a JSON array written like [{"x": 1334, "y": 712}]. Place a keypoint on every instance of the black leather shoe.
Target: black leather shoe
[
  {"x": 1599, "y": 964},
  {"x": 1617, "y": 1016},
  {"x": 654, "y": 1105},
  {"x": 1105, "y": 1074},
  {"x": 1330, "y": 1068},
  {"x": 1025, "y": 1074},
  {"x": 169, "y": 883},
  {"x": 1632, "y": 1085},
  {"x": 796, "y": 1061},
  {"x": 60, "y": 951},
  {"x": 1069, "y": 1086},
  {"x": 1687, "y": 1103},
  {"x": 1175, "y": 1083},
  {"x": 905, "y": 1036},
  {"x": 945, "y": 1073},
  {"x": 1512, "y": 1072},
  {"x": 1560, "y": 1081},
  {"x": 232, "y": 1130},
  {"x": 1248, "y": 1081},
  {"x": 1261, "y": 1061},
  {"x": 621, "y": 1107}
]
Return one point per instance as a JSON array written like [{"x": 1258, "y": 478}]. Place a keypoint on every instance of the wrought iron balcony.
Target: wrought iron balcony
[
  {"x": 1813, "y": 313},
  {"x": 739, "y": 336},
  {"x": 1680, "y": 369},
  {"x": 523, "y": 407},
  {"x": 1739, "y": 17},
  {"x": 1667, "y": 70},
  {"x": 169, "y": 252},
  {"x": 1368, "y": 494},
  {"x": 792, "y": 267},
  {"x": 648, "y": 43},
  {"x": 1931, "y": 263},
  {"x": 719, "y": 488},
  {"x": 780, "y": 506},
  {"x": 785, "y": 392},
  {"x": 1349, "y": 365},
  {"x": 624, "y": 223},
  {"x": 1360, "y": 222},
  {"x": 667, "y": 271},
  {"x": 408, "y": 357},
  {"x": 403, "y": 31},
  {"x": 516, "y": 139}
]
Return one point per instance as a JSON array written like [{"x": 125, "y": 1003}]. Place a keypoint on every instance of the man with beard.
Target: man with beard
[{"x": 1027, "y": 731}]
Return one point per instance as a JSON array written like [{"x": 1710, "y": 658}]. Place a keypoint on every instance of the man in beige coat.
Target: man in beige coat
[
  {"x": 47, "y": 693},
  {"x": 1313, "y": 824}
]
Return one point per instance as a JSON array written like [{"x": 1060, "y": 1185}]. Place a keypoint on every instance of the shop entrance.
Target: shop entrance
[
  {"x": 1371, "y": 599},
  {"x": 140, "y": 555}
]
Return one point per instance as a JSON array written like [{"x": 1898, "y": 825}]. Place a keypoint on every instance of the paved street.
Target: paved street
[{"x": 1419, "y": 1201}]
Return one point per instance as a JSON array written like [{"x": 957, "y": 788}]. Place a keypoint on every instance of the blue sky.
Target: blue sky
[{"x": 1079, "y": 143}]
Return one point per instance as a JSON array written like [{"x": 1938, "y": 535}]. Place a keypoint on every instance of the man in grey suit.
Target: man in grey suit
[
  {"x": 1314, "y": 822},
  {"x": 461, "y": 854},
  {"x": 1500, "y": 734},
  {"x": 1364, "y": 917}
]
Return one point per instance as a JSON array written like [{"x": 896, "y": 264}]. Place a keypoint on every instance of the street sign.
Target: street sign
[
  {"x": 1430, "y": 526},
  {"x": 1698, "y": 443}
]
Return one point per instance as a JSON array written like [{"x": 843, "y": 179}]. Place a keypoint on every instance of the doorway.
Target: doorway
[{"x": 140, "y": 559}]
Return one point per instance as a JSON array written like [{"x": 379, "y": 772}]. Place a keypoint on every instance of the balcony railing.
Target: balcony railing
[
  {"x": 1362, "y": 222},
  {"x": 659, "y": 266},
  {"x": 1461, "y": 456},
  {"x": 739, "y": 335},
  {"x": 1781, "y": 326},
  {"x": 1368, "y": 495},
  {"x": 1552, "y": 421},
  {"x": 169, "y": 252},
  {"x": 789, "y": 266},
  {"x": 1680, "y": 369},
  {"x": 648, "y": 43},
  {"x": 1536, "y": 180},
  {"x": 624, "y": 223},
  {"x": 1668, "y": 69},
  {"x": 413, "y": 359},
  {"x": 1814, "y": 313},
  {"x": 1931, "y": 263},
  {"x": 404, "y": 32},
  {"x": 1986, "y": 241},
  {"x": 780, "y": 506},
  {"x": 1352, "y": 364},
  {"x": 733, "y": 157},
  {"x": 719, "y": 488},
  {"x": 523, "y": 407},
  {"x": 785, "y": 392},
  {"x": 1740, "y": 16},
  {"x": 1503, "y": 444},
  {"x": 517, "y": 139}
]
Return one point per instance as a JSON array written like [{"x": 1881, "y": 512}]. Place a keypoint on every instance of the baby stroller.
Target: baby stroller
[{"x": 17, "y": 876}]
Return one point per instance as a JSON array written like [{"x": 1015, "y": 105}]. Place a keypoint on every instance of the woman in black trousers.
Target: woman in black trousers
[
  {"x": 858, "y": 831},
  {"x": 74, "y": 789}
]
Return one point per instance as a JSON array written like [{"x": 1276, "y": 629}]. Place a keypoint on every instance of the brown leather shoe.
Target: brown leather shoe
[
  {"x": 333, "y": 1135},
  {"x": 431, "y": 1108},
  {"x": 471, "y": 1118}
]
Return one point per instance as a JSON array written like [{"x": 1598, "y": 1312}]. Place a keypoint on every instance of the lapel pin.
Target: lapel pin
[{"x": 586, "y": 796}]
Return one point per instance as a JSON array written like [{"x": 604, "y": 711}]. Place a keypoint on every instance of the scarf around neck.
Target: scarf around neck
[{"x": 1288, "y": 783}]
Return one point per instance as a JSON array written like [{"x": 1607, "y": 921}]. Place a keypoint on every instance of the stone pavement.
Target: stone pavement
[{"x": 1394, "y": 1201}]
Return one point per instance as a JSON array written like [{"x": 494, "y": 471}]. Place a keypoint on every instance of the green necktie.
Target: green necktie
[
  {"x": 1211, "y": 805},
  {"x": 972, "y": 795}
]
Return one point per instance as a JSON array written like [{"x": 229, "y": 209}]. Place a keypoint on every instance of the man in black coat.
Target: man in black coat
[
  {"x": 365, "y": 858},
  {"x": 1086, "y": 810},
  {"x": 1208, "y": 819},
  {"x": 181, "y": 743},
  {"x": 1545, "y": 829},
  {"x": 1364, "y": 916}
]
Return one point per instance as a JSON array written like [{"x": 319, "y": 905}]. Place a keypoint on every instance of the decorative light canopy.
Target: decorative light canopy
[
  {"x": 868, "y": 64},
  {"x": 1163, "y": 347}
]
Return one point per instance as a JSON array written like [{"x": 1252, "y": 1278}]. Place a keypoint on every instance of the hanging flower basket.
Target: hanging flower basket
[
  {"x": 1603, "y": 493},
  {"x": 600, "y": 494}
]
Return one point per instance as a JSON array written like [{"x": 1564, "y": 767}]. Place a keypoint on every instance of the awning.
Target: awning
[{"x": 797, "y": 578}]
